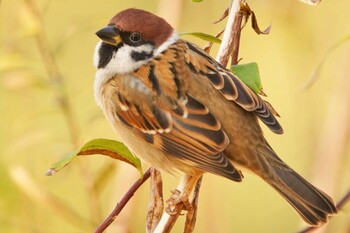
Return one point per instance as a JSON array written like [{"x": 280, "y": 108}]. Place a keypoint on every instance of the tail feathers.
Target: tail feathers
[
  {"x": 309, "y": 214},
  {"x": 313, "y": 205}
]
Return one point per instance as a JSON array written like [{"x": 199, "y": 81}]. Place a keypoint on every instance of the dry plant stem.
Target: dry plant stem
[
  {"x": 119, "y": 207},
  {"x": 184, "y": 189},
  {"x": 191, "y": 216},
  {"x": 236, "y": 35},
  {"x": 62, "y": 98},
  {"x": 156, "y": 204},
  {"x": 340, "y": 205},
  {"x": 227, "y": 40},
  {"x": 41, "y": 197},
  {"x": 334, "y": 138},
  {"x": 55, "y": 75}
]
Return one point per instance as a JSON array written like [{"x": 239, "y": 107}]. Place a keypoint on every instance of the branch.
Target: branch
[
  {"x": 179, "y": 201},
  {"x": 54, "y": 74},
  {"x": 119, "y": 207},
  {"x": 58, "y": 85},
  {"x": 191, "y": 216},
  {"x": 156, "y": 204},
  {"x": 226, "y": 46},
  {"x": 236, "y": 37}
]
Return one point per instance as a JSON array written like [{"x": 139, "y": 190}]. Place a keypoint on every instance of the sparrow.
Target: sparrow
[{"x": 179, "y": 110}]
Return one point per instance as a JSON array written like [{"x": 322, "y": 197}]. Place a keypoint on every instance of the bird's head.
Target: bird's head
[{"x": 131, "y": 38}]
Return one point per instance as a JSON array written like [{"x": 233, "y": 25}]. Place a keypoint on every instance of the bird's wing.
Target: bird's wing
[
  {"x": 231, "y": 86},
  {"x": 176, "y": 123}
]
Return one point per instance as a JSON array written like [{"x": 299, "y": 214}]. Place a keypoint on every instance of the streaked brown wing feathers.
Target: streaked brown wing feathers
[
  {"x": 231, "y": 86},
  {"x": 181, "y": 127},
  {"x": 197, "y": 140},
  {"x": 147, "y": 118}
]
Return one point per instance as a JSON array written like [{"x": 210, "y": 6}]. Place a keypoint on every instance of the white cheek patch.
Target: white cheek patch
[
  {"x": 96, "y": 54},
  {"x": 171, "y": 40},
  {"x": 123, "y": 63}
]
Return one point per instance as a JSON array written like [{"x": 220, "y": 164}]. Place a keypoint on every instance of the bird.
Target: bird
[{"x": 179, "y": 110}]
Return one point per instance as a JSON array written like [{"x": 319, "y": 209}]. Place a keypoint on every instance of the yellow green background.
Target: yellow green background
[{"x": 37, "y": 128}]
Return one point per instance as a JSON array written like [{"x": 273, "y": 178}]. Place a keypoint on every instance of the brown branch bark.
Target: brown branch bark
[
  {"x": 226, "y": 46},
  {"x": 156, "y": 204},
  {"x": 236, "y": 36},
  {"x": 180, "y": 201},
  {"x": 121, "y": 204},
  {"x": 191, "y": 216}
]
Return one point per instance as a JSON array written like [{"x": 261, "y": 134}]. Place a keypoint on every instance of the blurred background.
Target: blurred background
[{"x": 48, "y": 111}]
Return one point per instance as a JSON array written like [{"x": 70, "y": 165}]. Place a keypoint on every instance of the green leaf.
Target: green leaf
[
  {"x": 197, "y": 0},
  {"x": 249, "y": 74},
  {"x": 111, "y": 148},
  {"x": 55, "y": 167},
  {"x": 202, "y": 36}
]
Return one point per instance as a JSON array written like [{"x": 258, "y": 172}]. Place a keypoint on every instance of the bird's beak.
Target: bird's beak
[{"x": 109, "y": 35}]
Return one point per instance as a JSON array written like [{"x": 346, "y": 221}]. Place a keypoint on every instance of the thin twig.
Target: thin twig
[
  {"x": 156, "y": 204},
  {"x": 55, "y": 75},
  {"x": 191, "y": 216},
  {"x": 236, "y": 35},
  {"x": 340, "y": 205},
  {"x": 227, "y": 40},
  {"x": 177, "y": 202},
  {"x": 173, "y": 217},
  {"x": 62, "y": 98},
  {"x": 35, "y": 192},
  {"x": 119, "y": 207}
]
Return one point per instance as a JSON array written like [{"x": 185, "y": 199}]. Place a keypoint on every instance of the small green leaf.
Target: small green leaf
[
  {"x": 197, "y": 0},
  {"x": 202, "y": 36},
  {"x": 55, "y": 167},
  {"x": 111, "y": 148},
  {"x": 249, "y": 74}
]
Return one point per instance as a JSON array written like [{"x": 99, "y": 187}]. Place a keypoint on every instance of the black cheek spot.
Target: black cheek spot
[
  {"x": 140, "y": 56},
  {"x": 105, "y": 53}
]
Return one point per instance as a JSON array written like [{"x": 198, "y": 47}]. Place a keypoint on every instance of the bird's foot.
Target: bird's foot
[{"x": 175, "y": 199}]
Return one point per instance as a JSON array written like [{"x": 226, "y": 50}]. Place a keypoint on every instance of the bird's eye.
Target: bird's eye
[{"x": 135, "y": 37}]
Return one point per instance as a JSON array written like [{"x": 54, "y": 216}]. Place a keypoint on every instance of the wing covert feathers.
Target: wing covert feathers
[{"x": 231, "y": 86}]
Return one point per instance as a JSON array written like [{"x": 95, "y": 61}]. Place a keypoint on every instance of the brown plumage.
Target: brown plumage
[{"x": 179, "y": 110}]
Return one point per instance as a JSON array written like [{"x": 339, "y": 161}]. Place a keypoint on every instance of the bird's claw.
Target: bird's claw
[{"x": 175, "y": 199}]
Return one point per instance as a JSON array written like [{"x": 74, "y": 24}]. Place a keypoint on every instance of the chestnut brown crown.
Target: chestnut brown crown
[{"x": 151, "y": 27}]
